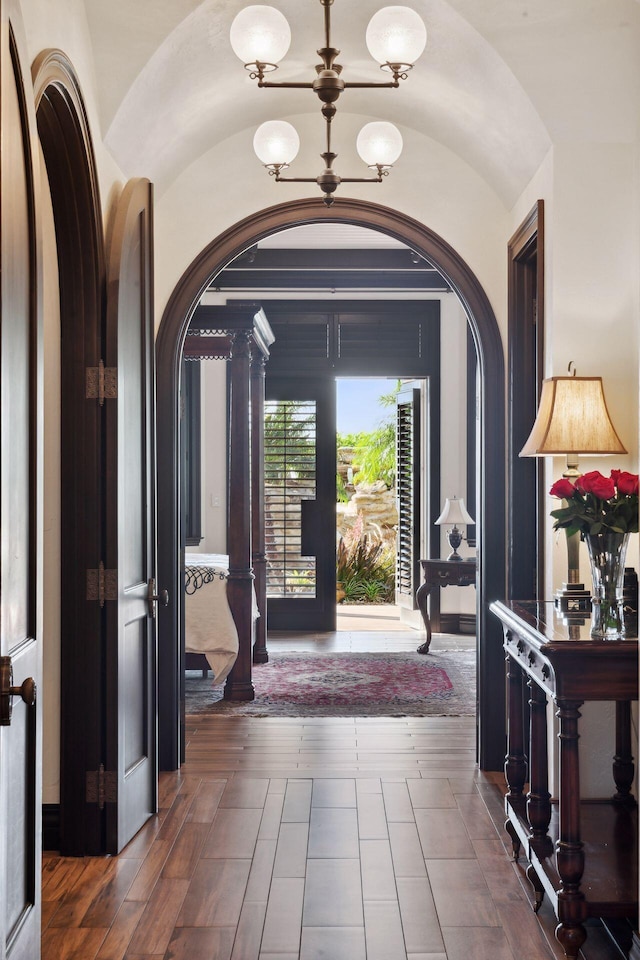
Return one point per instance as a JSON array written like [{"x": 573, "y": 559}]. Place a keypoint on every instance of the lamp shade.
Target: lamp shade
[
  {"x": 379, "y": 144},
  {"x": 396, "y": 35},
  {"x": 454, "y": 511},
  {"x": 572, "y": 418},
  {"x": 260, "y": 35},
  {"x": 276, "y": 142}
]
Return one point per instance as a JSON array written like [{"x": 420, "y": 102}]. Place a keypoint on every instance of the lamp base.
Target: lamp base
[{"x": 573, "y": 598}]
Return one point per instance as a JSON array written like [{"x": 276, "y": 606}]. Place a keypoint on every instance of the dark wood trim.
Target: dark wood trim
[
  {"x": 258, "y": 556},
  {"x": 458, "y": 623},
  {"x": 472, "y": 376},
  {"x": 491, "y": 507},
  {"x": 50, "y": 826},
  {"x": 390, "y": 269},
  {"x": 191, "y": 414},
  {"x": 525, "y": 530},
  {"x": 65, "y": 136}
]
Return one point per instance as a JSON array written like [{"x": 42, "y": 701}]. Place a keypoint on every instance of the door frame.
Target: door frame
[
  {"x": 491, "y": 506},
  {"x": 525, "y": 286},
  {"x": 65, "y": 137}
]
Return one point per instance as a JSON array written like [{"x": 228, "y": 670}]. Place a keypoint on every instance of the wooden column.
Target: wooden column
[
  {"x": 258, "y": 361},
  {"x": 240, "y": 584}
]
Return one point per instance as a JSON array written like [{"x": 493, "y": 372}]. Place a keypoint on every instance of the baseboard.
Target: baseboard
[
  {"x": 50, "y": 826},
  {"x": 458, "y": 623}
]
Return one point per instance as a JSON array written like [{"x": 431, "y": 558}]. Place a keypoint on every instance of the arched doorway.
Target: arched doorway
[
  {"x": 67, "y": 148},
  {"x": 491, "y": 499}
]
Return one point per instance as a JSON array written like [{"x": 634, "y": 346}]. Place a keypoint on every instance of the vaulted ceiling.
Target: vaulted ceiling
[{"x": 500, "y": 81}]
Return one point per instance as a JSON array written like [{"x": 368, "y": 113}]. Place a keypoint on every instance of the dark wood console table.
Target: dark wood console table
[
  {"x": 442, "y": 573},
  {"x": 583, "y": 853}
]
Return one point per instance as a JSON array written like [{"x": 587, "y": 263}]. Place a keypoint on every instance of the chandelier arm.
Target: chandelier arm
[
  {"x": 279, "y": 179},
  {"x": 371, "y": 86},
  {"x": 291, "y": 85},
  {"x": 377, "y": 179}
]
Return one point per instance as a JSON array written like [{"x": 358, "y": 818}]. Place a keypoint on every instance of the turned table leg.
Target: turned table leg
[
  {"x": 570, "y": 932},
  {"x": 421, "y": 599},
  {"x": 538, "y": 798},
  {"x": 515, "y": 763},
  {"x": 623, "y": 769}
]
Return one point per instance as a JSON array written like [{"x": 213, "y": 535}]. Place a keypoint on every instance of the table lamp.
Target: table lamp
[
  {"x": 572, "y": 419},
  {"x": 454, "y": 512}
]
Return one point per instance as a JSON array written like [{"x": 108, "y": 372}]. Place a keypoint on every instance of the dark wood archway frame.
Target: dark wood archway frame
[
  {"x": 491, "y": 479},
  {"x": 63, "y": 128}
]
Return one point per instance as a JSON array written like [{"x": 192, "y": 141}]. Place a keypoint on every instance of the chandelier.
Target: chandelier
[{"x": 260, "y": 37}]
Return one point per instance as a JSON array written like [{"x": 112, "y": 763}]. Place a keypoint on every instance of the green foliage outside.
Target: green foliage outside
[
  {"x": 375, "y": 450},
  {"x": 366, "y": 570}
]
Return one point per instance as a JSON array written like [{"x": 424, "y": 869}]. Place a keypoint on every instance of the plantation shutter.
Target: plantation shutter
[
  {"x": 300, "y": 503},
  {"x": 290, "y": 485},
  {"x": 408, "y": 495}
]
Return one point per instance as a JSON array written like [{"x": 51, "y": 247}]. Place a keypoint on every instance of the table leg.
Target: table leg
[
  {"x": 570, "y": 932},
  {"x": 538, "y": 798},
  {"x": 623, "y": 769},
  {"x": 421, "y": 599},
  {"x": 515, "y": 762}
]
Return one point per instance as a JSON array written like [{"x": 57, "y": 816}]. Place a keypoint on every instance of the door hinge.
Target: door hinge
[
  {"x": 102, "y": 584},
  {"x": 101, "y": 383},
  {"x": 101, "y": 786}
]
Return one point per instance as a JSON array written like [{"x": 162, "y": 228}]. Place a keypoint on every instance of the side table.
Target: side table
[
  {"x": 442, "y": 573},
  {"x": 583, "y": 854}
]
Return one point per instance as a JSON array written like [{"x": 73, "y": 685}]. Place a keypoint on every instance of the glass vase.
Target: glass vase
[{"x": 607, "y": 552}]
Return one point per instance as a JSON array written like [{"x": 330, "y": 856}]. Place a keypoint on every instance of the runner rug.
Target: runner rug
[{"x": 349, "y": 685}]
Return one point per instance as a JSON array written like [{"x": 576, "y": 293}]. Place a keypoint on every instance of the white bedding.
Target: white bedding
[{"x": 209, "y": 625}]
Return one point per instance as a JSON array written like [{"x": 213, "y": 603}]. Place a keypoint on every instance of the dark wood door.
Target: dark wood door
[
  {"x": 20, "y": 507},
  {"x": 131, "y": 764},
  {"x": 300, "y": 503}
]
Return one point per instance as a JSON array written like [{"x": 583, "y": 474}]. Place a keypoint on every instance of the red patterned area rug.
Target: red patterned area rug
[{"x": 349, "y": 685}]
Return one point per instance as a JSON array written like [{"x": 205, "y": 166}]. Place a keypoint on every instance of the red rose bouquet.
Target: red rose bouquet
[{"x": 596, "y": 504}]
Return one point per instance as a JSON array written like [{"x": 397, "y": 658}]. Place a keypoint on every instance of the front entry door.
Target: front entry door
[
  {"x": 300, "y": 503},
  {"x": 131, "y": 764},
  {"x": 21, "y": 413}
]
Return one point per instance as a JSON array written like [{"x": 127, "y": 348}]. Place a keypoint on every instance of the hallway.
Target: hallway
[{"x": 324, "y": 838}]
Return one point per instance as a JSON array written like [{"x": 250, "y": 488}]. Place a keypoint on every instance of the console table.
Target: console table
[
  {"x": 583, "y": 853},
  {"x": 442, "y": 573}
]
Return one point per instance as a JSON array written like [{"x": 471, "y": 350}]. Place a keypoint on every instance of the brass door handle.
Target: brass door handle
[
  {"x": 26, "y": 691},
  {"x": 153, "y": 597}
]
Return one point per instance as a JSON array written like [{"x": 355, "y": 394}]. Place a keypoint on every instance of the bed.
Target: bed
[{"x": 210, "y": 629}]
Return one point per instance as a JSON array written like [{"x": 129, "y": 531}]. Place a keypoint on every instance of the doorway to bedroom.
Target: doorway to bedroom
[{"x": 328, "y": 347}]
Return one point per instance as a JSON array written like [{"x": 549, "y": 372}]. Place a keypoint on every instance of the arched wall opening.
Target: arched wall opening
[
  {"x": 491, "y": 453},
  {"x": 78, "y": 251}
]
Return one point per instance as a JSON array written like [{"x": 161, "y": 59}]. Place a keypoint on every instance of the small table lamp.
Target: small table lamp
[
  {"x": 454, "y": 512},
  {"x": 572, "y": 419}
]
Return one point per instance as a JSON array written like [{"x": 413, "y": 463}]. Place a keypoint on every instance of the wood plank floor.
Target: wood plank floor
[
  {"x": 312, "y": 839},
  {"x": 323, "y": 838}
]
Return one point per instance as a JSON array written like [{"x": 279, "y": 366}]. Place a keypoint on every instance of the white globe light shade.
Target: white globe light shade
[
  {"x": 379, "y": 143},
  {"x": 396, "y": 35},
  {"x": 260, "y": 35},
  {"x": 276, "y": 142}
]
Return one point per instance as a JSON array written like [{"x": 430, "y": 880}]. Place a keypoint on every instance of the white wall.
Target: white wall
[
  {"x": 214, "y": 457},
  {"x": 453, "y": 440},
  {"x": 592, "y": 308}
]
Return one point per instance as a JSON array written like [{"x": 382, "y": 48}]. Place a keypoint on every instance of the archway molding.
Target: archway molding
[
  {"x": 65, "y": 137},
  {"x": 491, "y": 458}
]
